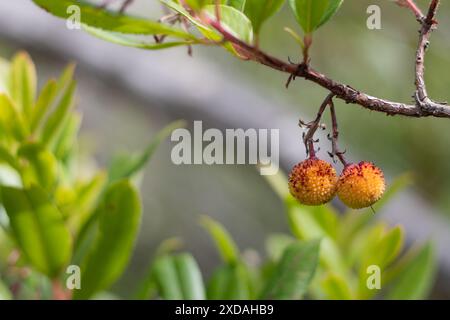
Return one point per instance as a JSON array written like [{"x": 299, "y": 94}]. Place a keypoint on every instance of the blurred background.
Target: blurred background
[{"x": 126, "y": 95}]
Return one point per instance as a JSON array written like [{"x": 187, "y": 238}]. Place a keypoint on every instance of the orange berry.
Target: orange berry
[
  {"x": 313, "y": 182},
  {"x": 361, "y": 185}
]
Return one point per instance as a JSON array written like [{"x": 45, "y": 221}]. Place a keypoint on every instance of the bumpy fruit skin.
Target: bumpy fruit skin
[
  {"x": 361, "y": 185},
  {"x": 313, "y": 182}
]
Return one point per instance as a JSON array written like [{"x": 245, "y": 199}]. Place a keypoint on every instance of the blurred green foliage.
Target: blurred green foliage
[
  {"x": 328, "y": 256},
  {"x": 55, "y": 211}
]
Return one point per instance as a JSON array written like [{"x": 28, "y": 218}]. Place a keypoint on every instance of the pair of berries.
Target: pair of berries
[{"x": 314, "y": 182}]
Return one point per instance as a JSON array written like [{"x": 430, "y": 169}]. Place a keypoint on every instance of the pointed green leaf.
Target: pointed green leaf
[
  {"x": 43, "y": 104},
  {"x": 196, "y": 4},
  {"x": 116, "y": 22},
  {"x": 129, "y": 41},
  {"x": 87, "y": 195},
  {"x": 12, "y": 124},
  {"x": 258, "y": 11},
  {"x": 38, "y": 228},
  {"x": 23, "y": 82},
  {"x": 129, "y": 166},
  {"x": 165, "y": 273},
  {"x": 233, "y": 21},
  {"x": 66, "y": 77},
  {"x": 4, "y": 74},
  {"x": 225, "y": 244},
  {"x": 208, "y": 32},
  {"x": 66, "y": 141},
  {"x": 333, "y": 7},
  {"x": 416, "y": 279},
  {"x": 229, "y": 282},
  {"x": 119, "y": 215},
  {"x": 309, "y": 13},
  {"x": 8, "y": 158},
  {"x": 336, "y": 288},
  {"x": 305, "y": 226},
  {"x": 390, "y": 246},
  {"x": 276, "y": 244},
  {"x": 237, "y": 4},
  {"x": 294, "y": 272},
  {"x": 39, "y": 166},
  {"x": 56, "y": 120},
  {"x": 190, "y": 277},
  {"x": 148, "y": 286}
]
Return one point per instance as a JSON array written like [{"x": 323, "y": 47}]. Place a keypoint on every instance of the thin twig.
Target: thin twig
[
  {"x": 125, "y": 5},
  {"x": 312, "y": 126},
  {"x": 414, "y": 8},
  {"x": 424, "y": 40},
  {"x": 425, "y": 108},
  {"x": 336, "y": 152}
]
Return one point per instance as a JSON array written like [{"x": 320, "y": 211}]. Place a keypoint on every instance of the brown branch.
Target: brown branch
[
  {"x": 125, "y": 5},
  {"x": 423, "y": 107},
  {"x": 312, "y": 126},
  {"x": 428, "y": 24},
  {"x": 414, "y": 8},
  {"x": 335, "y": 151}
]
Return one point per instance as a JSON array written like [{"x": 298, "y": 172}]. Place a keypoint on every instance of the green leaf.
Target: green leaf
[
  {"x": 305, "y": 226},
  {"x": 129, "y": 166},
  {"x": 390, "y": 246},
  {"x": 38, "y": 228},
  {"x": 415, "y": 280},
  {"x": 176, "y": 277},
  {"x": 233, "y": 21},
  {"x": 43, "y": 104},
  {"x": 119, "y": 215},
  {"x": 8, "y": 158},
  {"x": 333, "y": 7},
  {"x": 175, "y": 6},
  {"x": 87, "y": 195},
  {"x": 166, "y": 277},
  {"x": 4, "y": 74},
  {"x": 116, "y": 22},
  {"x": 309, "y": 13},
  {"x": 208, "y": 32},
  {"x": 66, "y": 77},
  {"x": 148, "y": 286},
  {"x": 230, "y": 282},
  {"x": 129, "y": 41},
  {"x": 39, "y": 166},
  {"x": 12, "y": 124},
  {"x": 258, "y": 11},
  {"x": 66, "y": 141},
  {"x": 56, "y": 120},
  {"x": 190, "y": 277},
  {"x": 225, "y": 244},
  {"x": 237, "y": 4},
  {"x": 23, "y": 82},
  {"x": 336, "y": 288},
  {"x": 276, "y": 244},
  {"x": 196, "y": 4},
  {"x": 378, "y": 247},
  {"x": 294, "y": 272}
]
